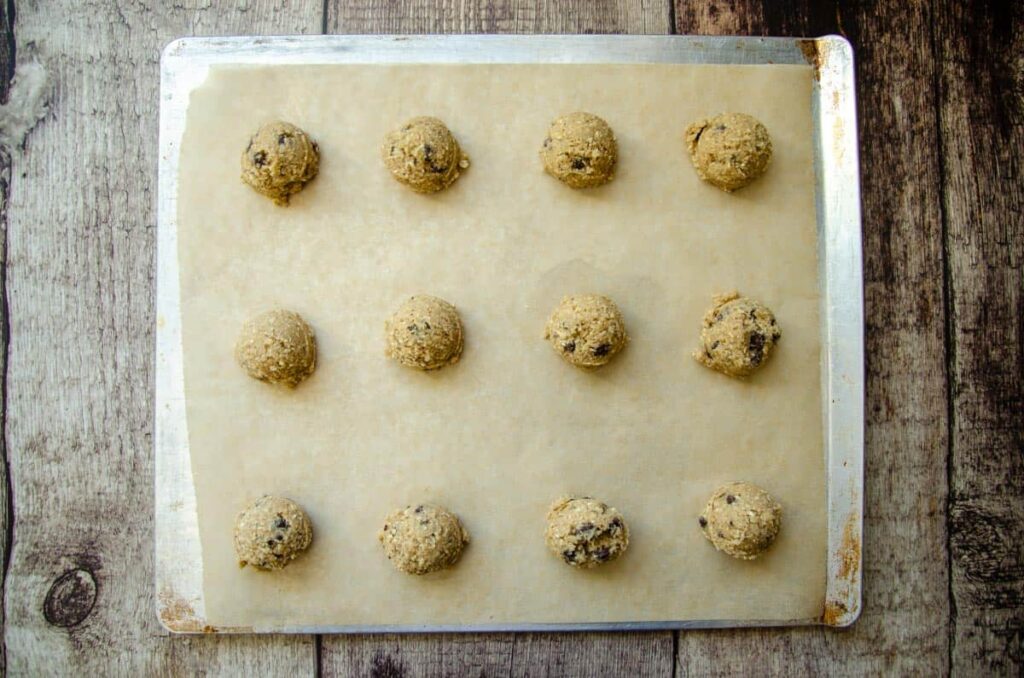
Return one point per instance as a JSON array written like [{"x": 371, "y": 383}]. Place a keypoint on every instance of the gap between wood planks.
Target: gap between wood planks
[
  {"x": 949, "y": 357},
  {"x": 8, "y": 60}
]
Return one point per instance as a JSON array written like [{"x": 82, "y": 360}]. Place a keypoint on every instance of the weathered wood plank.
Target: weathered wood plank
[
  {"x": 7, "y": 49},
  {"x": 522, "y": 655},
  {"x": 755, "y": 17},
  {"x": 499, "y": 16},
  {"x": 904, "y": 625},
  {"x": 982, "y": 129},
  {"x": 395, "y": 656},
  {"x": 7, "y": 62},
  {"x": 80, "y": 248},
  {"x": 6, "y": 517},
  {"x": 569, "y": 655}
]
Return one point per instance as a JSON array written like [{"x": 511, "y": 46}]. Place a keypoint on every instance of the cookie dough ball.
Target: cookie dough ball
[
  {"x": 279, "y": 161},
  {"x": 585, "y": 533},
  {"x": 729, "y": 150},
  {"x": 737, "y": 336},
  {"x": 741, "y": 520},
  {"x": 272, "y": 532},
  {"x": 277, "y": 347},
  {"x": 586, "y": 330},
  {"x": 425, "y": 333},
  {"x": 580, "y": 151},
  {"x": 423, "y": 539},
  {"x": 423, "y": 155}
]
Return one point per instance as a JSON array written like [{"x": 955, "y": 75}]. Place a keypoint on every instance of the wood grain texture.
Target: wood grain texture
[
  {"x": 7, "y": 63},
  {"x": 982, "y": 131},
  {"x": 6, "y": 507},
  {"x": 81, "y": 226},
  {"x": 7, "y": 48},
  {"x": 568, "y": 655},
  {"x": 756, "y": 17},
  {"x": 904, "y": 625},
  {"x": 7, "y": 58},
  {"x": 395, "y": 656},
  {"x": 503, "y": 654},
  {"x": 523, "y": 655},
  {"x": 498, "y": 16}
]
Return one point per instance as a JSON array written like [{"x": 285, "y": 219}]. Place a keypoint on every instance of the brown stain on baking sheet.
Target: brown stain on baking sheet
[
  {"x": 848, "y": 556},
  {"x": 179, "y": 616},
  {"x": 812, "y": 54},
  {"x": 849, "y": 552},
  {"x": 834, "y": 613}
]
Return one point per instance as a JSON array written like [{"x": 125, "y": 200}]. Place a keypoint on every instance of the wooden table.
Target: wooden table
[{"x": 942, "y": 149}]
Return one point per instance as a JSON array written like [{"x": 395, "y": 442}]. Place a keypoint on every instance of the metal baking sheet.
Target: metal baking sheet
[{"x": 184, "y": 66}]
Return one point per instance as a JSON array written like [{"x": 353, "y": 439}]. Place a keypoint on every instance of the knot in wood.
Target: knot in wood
[{"x": 71, "y": 598}]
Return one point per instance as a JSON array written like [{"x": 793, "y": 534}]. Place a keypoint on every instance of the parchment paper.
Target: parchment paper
[{"x": 511, "y": 427}]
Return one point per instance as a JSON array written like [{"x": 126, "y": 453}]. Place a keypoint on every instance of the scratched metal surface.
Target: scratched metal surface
[{"x": 184, "y": 66}]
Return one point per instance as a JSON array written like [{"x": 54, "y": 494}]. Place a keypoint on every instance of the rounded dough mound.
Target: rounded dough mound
[
  {"x": 279, "y": 161},
  {"x": 580, "y": 151},
  {"x": 729, "y": 150},
  {"x": 587, "y": 330},
  {"x": 424, "y": 155},
  {"x": 277, "y": 347},
  {"x": 741, "y": 520},
  {"x": 425, "y": 333},
  {"x": 585, "y": 533},
  {"x": 423, "y": 539},
  {"x": 271, "y": 532},
  {"x": 737, "y": 336}
]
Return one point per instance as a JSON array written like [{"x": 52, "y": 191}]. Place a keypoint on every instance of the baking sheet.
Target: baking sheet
[{"x": 511, "y": 427}]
